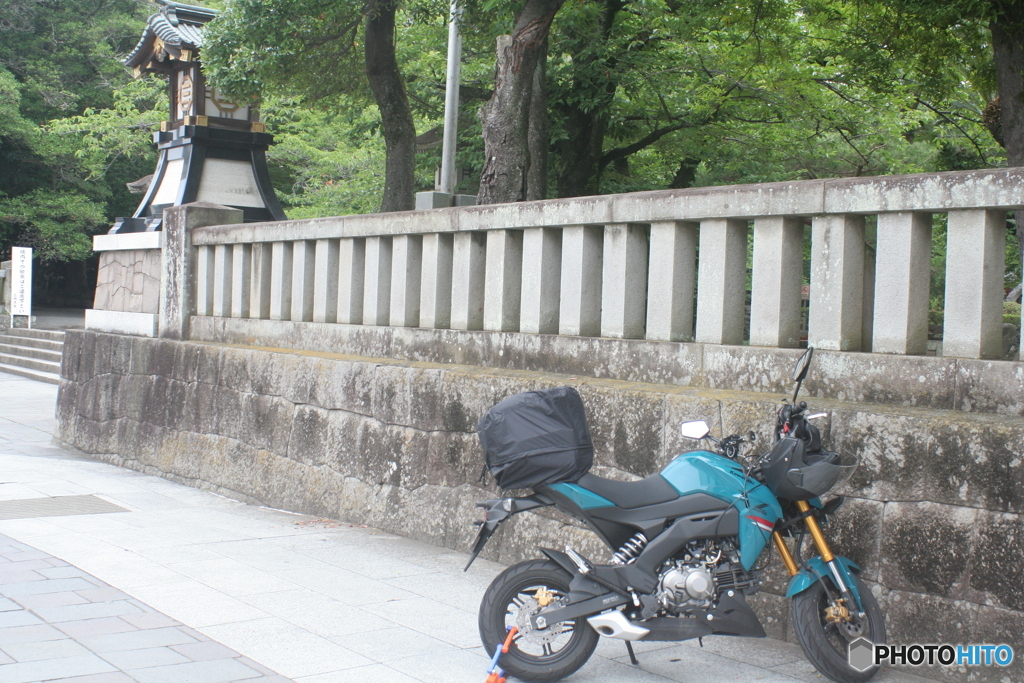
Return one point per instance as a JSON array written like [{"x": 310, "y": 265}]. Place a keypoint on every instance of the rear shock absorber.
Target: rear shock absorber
[{"x": 630, "y": 549}]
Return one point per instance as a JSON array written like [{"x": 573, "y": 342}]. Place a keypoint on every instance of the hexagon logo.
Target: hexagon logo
[{"x": 862, "y": 654}]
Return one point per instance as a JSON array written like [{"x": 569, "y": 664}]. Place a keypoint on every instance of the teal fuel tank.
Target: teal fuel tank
[{"x": 714, "y": 475}]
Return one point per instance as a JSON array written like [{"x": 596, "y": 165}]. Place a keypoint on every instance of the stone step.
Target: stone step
[
  {"x": 32, "y": 342},
  {"x": 30, "y": 363},
  {"x": 48, "y": 377},
  {"x": 28, "y": 351},
  {"x": 52, "y": 335}
]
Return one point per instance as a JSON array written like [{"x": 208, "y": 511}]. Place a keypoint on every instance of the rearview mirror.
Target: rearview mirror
[
  {"x": 803, "y": 364},
  {"x": 695, "y": 430}
]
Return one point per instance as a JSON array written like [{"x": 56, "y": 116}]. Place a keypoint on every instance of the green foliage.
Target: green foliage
[
  {"x": 71, "y": 121},
  {"x": 56, "y": 224},
  {"x": 1011, "y": 313}
]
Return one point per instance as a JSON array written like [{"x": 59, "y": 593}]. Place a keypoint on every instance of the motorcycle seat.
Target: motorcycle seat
[{"x": 630, "y": 494}]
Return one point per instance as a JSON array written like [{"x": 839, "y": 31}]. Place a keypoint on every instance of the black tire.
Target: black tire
[
  {"x": 509, "y": 600},
  {"x": 826, "y": 645}
]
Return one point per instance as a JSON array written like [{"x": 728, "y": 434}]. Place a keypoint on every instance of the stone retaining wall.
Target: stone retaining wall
[{"x": 933, "y": 516}]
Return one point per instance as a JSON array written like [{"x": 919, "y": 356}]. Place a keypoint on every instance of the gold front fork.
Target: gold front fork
[
  {"x": 812, "y": 526},
  {"x": 819, "y": 541},
  {"x": 787, "y": 558}
]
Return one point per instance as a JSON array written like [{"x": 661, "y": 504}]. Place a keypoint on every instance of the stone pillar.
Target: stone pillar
[
  {"x": 468, "y": 273},
  {"x": 351, "y": 271},
  {"x": 178, "y": 263},
  {"x": 406, "y": 273},
  {"x": 542, "y": 264},
  {"x": 377, "y": 281},
  {"x": 504, "y": 280},
  {"x": 624, "y": 281},
  {"x": 325, "y": 285},
  {"x": 579, "y": 310},
  {"x": 241, "y": 280},
  {"x": 436, "y": 281},
  {"x": 204, "y": 280},
  {"x": 776, "y": 281},
  {"x": 281, "y": 281},
  {"x": 222, "y": 267},
  {"x": 670, "y": 280},
  {"x": 722, "y": 281},
  {"x": 975, "y": 245},
  {"x": 837, "y": 283},
  {"x": 259, "y": 293},
  {"x": 303, "y": 261}
]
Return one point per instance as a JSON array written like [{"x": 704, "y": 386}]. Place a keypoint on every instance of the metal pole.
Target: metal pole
[{"x": 451, "y": 102}]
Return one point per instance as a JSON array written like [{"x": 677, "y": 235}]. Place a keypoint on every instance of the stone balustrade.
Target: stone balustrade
[{"x": 667, "y": 265}]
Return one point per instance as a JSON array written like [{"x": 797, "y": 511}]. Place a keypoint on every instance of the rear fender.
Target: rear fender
[
  {"x": 816, "y": 569},
  {"x": 496, "y": 512}
]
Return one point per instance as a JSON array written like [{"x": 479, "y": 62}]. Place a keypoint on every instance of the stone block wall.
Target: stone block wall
[
  {"x": 128, "y": 280},
  {"x": 933, "y": 516}
]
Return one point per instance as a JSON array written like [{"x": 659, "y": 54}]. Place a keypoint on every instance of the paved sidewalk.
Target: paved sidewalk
[{"x": 310, "y": 600}]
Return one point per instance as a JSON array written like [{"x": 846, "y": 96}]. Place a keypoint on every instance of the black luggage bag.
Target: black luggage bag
[{"x": 535, "y": 438}]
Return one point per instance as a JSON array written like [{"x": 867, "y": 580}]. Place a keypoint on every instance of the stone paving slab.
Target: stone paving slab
[
  {"x": 188, "y": 586},
  {"x": 60, "y": 623}
]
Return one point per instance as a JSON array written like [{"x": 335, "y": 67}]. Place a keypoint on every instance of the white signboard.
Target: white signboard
[{"x": 21, "y": 281}]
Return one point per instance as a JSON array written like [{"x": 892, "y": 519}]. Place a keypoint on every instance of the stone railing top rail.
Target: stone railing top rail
[{"x": 924, "y": 192}]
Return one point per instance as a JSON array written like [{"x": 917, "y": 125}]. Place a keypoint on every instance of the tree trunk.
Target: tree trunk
[
  {"x": 580, "y": 154},
  {"x": 505, "y": 117},
  {"x": 580, "y": 172},
  {"x": 396, "y": 116},
  {"x": 1008, "y": 48},
  {"x": 539, "y": 131}
]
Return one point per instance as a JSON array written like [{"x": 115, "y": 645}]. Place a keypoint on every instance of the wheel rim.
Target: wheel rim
[{"x": 541, "y": 646}]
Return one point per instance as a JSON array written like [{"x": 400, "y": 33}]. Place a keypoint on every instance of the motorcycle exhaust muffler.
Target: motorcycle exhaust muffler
[{"x": 614, "y": 624}]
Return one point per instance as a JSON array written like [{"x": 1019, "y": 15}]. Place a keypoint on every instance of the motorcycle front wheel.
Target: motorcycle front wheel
[
  {"x": 826, "y": 641},
  {"x": 540, "y": 655}
]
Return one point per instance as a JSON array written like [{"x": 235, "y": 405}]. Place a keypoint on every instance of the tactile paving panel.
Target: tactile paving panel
[{"x": 56, "y": 506}]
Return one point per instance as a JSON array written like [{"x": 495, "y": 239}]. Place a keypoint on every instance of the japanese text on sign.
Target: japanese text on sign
[{"x": 21, "y": 281}]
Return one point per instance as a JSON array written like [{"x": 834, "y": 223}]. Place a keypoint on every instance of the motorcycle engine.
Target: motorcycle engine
[
  {"x": 695, "y": 577},
  {"x": 686, "y": 585}
]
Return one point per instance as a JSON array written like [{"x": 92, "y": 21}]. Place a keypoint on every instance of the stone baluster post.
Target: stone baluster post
[
  {"x": 259, "y": 292},
  {"x": 436, "y": 281},
  {"x": 204, "y": 280},
  {"x": 975, "y": 246},
  {"x": 281, "y": 263},
  {"x": 542, "y": 264},
  {"x": 406, "y": 274},
  {"x": 504, "y": 280},
  {"x": 671, "y": 280},
  {"x": 722, "y": 281},
  {"x": 222, "y": 268},
  {"x": 624, "y": 281},
  {"x": 178, "y": 286},
  {"x": 468, "y": 275},
  {"x": 351, "y": 277},
  {"x": 776, "y": 281},
  {"x": 579, "y": 310},
  {"x": 837, "y": 283},
  {"x": 303, "y": 280},
  {"x": 241, "y": 280},
  {"x": 377, "y": 282},
  {"x": 325, "y": 287}
]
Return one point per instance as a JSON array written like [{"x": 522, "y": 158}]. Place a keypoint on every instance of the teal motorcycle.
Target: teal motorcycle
[{"x": 685, "y": 543}]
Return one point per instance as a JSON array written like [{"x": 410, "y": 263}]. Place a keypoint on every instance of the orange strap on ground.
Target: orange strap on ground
[{"x": 508, "y": 639}]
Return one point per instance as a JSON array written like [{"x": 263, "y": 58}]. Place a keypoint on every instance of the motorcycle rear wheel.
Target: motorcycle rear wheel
[
  {"x": 825, "y": 644},
  {"x": 544, "y": 655}
]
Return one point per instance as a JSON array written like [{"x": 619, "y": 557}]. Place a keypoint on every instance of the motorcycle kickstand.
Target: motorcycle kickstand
[{"x": 632, "y": 655}]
